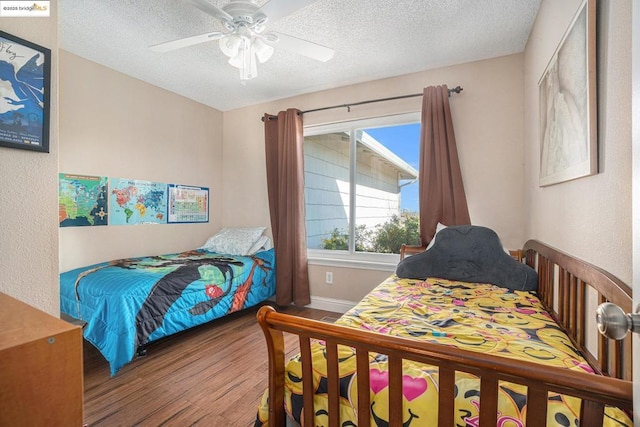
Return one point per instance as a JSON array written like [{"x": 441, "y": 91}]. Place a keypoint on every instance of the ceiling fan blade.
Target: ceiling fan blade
[
  {"x": 187, "y": 41},
  {"x": 207, "y": 7},
  {"x": 302, "y": 47},
  {"x": 276, "y": 9}
]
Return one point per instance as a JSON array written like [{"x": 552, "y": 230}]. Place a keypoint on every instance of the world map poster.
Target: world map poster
[
  {"x": 82, "y": 200},
  {"x": 134, "y": 202}
]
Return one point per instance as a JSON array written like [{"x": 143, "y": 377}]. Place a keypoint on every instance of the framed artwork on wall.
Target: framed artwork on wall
[
  {"x": 25, "y": 81},
  {"x": 187, "y": 204},
  {"x": 568, "y": 103}
]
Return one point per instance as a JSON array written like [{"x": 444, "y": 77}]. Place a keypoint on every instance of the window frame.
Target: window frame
[{"x": 350, "y": 258}]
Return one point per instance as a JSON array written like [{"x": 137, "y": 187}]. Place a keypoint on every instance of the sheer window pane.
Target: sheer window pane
[
  {"x": 386, "y": 188},
  {"x": 361, "y": 191},
  {"x": 327, "y": 172}
]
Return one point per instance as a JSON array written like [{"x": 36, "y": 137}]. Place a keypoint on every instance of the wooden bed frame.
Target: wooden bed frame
[{"x": 566, "y": 287}]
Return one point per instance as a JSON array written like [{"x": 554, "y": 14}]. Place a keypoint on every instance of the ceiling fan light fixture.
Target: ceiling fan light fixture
[
  {"x": 236, "y": 61},
  {"x": 230, "y": 45},
  {"x": 261, "y": 50}
]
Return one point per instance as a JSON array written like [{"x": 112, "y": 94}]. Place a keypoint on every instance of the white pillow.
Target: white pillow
[
  {"x": 439, "y": 228},
  {"x": 263, "y": 244},
  {"x": 234, "y": 241}
]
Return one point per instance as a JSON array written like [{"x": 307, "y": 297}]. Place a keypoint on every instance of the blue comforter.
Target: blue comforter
[{"x": 128, "y": 303}]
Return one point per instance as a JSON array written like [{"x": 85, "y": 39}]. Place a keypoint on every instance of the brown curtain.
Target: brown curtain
[
  {"x": 442, "y": 197},
  {"x": 285, "y": 185}
]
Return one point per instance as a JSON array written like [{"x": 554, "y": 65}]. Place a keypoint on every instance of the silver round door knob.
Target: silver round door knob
[{"x": 613, "y": 322}]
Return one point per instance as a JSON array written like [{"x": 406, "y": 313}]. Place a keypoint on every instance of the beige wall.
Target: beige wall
[
  {"x": 28, "y": 194},
  {"x": 488, "y": 121},
  {"x": 114, "y": 125},
  {"x": 588, "y": 217},
  {"x": 349, "y": 284}
]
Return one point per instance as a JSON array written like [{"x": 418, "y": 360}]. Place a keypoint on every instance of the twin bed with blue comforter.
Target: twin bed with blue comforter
[{"x": 129, "y": 303}]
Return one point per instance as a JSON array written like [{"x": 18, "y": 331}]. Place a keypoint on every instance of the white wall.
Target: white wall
[
  {"x": 116, "y": 126},
  {"x": 28, "y": 194},
  {"x": 589, "y": 217},
  {"x": 488, "y": 121}
]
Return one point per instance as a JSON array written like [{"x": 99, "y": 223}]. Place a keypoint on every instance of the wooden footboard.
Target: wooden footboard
[
  {"x": 567, "y": 285},
  {"x": 570, "y": 290}
]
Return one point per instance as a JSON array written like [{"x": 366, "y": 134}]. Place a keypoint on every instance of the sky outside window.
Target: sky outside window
[{"x": 404, "y": 141}]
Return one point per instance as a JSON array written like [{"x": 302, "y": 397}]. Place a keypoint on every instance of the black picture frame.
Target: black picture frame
[{"x": 25, "y": 85}]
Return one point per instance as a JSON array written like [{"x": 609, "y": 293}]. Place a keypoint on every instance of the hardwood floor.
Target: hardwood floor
[{"x": 212, "y": 375}]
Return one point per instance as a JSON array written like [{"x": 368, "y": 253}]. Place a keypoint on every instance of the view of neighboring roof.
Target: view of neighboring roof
[{"x": 376, "y": 148}]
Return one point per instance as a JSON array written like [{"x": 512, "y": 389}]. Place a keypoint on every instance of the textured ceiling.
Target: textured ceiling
[{"x": 372, "y": 39}]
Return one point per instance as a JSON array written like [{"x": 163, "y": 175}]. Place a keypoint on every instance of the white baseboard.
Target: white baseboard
[{"x": 331, "y": 304}]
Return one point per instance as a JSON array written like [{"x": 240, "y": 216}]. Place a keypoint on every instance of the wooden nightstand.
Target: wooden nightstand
[{"x": 41, "y": 371}]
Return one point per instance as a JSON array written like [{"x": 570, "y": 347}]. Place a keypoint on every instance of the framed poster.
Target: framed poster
[
  {"x": 188, "y": 204},
  {"x": 25, "y": 80},
  {"x": 568, "y": 110}
]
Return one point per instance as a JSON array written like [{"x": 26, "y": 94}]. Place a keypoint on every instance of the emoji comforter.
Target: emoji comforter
[
  {"x": 128, "y": 303},
  {"x": 477, "y": 317}
]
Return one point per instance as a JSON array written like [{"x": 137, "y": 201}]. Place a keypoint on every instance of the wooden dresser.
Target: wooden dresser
[{"x": 41, "y": 371}]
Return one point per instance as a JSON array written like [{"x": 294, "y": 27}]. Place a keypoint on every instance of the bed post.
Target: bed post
[{"x": 275, "y": 347}]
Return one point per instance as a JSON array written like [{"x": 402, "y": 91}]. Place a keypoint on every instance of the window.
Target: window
[{"x": 361, "y": 190}]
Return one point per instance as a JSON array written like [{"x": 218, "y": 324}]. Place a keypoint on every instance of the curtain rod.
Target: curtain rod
[{"x": 456, "y": 89}]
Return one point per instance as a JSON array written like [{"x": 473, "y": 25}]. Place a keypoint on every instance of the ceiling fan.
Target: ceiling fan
[{"x": 245, "y": 40}]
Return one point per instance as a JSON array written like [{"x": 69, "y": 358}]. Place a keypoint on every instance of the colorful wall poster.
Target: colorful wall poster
[
  {"x": 82, "y": 200},
  {"x": 25, "y": 80},
  {"x": 188, "y": 204},
  {"x": 133, "y": 201}
]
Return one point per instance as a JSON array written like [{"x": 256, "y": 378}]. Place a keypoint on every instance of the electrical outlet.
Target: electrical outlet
[{"x": 328, "y": 278}]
